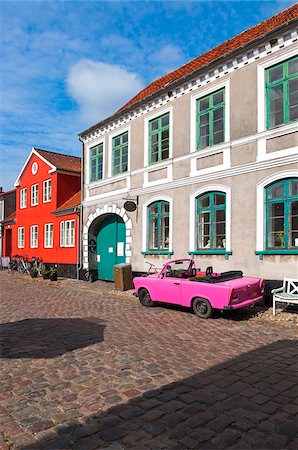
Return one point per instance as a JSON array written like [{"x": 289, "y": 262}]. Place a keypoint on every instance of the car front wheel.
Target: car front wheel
[
  {"x": 145, "y": 298},
  {"x": 202, "y": 307}
]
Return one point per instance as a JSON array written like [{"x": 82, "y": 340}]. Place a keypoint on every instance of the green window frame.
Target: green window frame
[
  {"x": 210, "y": 112},
  {"x": 158, "y": 226},
  {"x": 120, "y": 154},
  {"x": 96, "y": 162},
  {"x": 281, "y": 205},
  {"x": 211, "y": 221},
  {"x": 159, "y": 138},
  {"x": 282, "y": 93}
]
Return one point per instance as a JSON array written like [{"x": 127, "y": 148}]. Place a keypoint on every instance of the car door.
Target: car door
[{"x": 168, "y": 290}]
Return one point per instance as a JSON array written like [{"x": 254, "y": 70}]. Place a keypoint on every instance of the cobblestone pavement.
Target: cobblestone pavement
[{"x": 86, "y": 370}]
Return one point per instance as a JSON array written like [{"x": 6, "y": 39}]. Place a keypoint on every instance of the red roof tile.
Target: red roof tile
[
  {"x": 61, "y": 161},
  {"x": 221, "y": 50},
  {"x": 75, "y": 200}
]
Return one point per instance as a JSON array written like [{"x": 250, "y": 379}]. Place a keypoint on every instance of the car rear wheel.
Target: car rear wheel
[
  {"x": 202, "y": 307},
  {"x": 145, "y": 298}
]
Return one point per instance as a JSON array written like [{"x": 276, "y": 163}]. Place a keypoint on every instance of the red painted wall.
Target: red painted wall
[{"x": 42, "y": 214}]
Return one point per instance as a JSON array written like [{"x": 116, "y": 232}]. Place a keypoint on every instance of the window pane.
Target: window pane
[
  {"x": 154, "y": 138},
  {"x": 204, "y": 130},
  {"x": 218, "y": 137},
  {"x": 165, "y": 120},
  {"x": 125, "y": 138},
  {"x": 218, "y": 114},
  {"x": 294, "y": 113},
  {"x": 218, "y": 98},
  {"x": 204, "y": 104},
  {"x": 220, "y": 215},
  {"x": 275, "y": 74},
  {"x": 218, "y": 125},
  {"x": 204, "y": 141},
  {"x": 293, "y": 238},
  {"x": 154, "y": 209},
  {"x": 293, "y": 66},
  {"x": 204, "y": 201},
  {"x": 219, "y": 199},
  {"x": 276, "y": 191},
  {"x": 116, "y": 141},
  {"x": 165, "y": 208},
  {"x": 154, "y": 124},
  {"x": 165, "y": 134},
  {"x": 204, "y": 230},
  {"x": 276, "y": 106},
  {"x": 276, "y": 210},
  {"x": 294, "y": 187}
]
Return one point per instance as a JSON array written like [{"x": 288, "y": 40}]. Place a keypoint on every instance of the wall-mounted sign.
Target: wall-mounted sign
[
  {"x": 34, "y": 168},
  {"x": 92, "y": 245},
  {"x": 130, "y": 206},
  {"x": 120, "y": 248}
]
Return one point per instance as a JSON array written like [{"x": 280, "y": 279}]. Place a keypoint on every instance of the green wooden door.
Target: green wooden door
[{"x": 111, "y": 240}]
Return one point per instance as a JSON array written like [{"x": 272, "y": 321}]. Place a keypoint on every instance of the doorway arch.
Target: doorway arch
[{"x": 100, "y": 222}]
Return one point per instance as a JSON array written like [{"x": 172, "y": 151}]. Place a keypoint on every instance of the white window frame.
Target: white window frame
[
  {"x": 65, "y": 240},
  {"x": 48, "y": 235},
  {"x": 34, "y": 194},
  {"x": 87, "y": 168},
  {"x": 260, "y": 212},
  {"x": 155, "y": 115},
  {"x": 23, "y": 198},
  {"x": 34, "y": 236},
  {"x": 261, "y": 93},
  {"x": 193, "y": 116},
  {"x": 47, "y": 191},
  {"x": 110, "y": 154},
  {"x": 21, "y": 237},
  {"x": 157, "y": 198},
  {"x": 192, "y": 214}
]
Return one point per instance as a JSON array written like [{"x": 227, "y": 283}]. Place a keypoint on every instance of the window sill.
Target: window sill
[
  {"x": 156, "y": 252},
  {"x": 261, "y": 253},
  {"x": 211, "y": 252}
]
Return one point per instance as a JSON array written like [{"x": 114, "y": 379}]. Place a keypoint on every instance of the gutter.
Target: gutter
[
  {"x": 80, "y": 228},
  {"x": 180, "y": 80}
]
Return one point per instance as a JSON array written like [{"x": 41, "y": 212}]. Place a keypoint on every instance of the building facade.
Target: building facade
[
  {"x": 7, "y": 215},
  {"x": 208, "y": 155},
  {"x": 46, "y": 220}
]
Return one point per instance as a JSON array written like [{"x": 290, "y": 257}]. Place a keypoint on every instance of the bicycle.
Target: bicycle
[{"x": 151, "y": 269}]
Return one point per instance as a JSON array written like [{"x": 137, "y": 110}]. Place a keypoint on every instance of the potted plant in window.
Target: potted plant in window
[
  {"x": 34, "y": 272},
  {"x": 53, "y": 274},
  {"x": 45, "y": 272}
]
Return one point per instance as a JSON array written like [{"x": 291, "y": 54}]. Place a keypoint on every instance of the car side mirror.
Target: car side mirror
[{"x": 162, "y": 275}]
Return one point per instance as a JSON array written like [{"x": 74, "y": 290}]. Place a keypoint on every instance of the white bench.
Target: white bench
[{"x": 288, "y": 293}]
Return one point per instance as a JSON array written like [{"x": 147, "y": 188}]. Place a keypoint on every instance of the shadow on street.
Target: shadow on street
[
  {"x": 246, "y": 402},
  {"x": 48, "y": 338}
]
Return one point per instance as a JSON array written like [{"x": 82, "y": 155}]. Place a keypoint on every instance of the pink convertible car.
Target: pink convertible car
[{"x": 180, "y": 283}]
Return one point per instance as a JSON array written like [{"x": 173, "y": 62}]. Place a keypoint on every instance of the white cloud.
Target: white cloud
[
  {"x": 100, "y": 88},
  {"x": 168, "y": 55}
]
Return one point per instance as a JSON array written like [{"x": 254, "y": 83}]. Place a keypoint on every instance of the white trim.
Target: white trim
[
  {"x": 192, "y": 213},
  {"x": 33, "y": 241},
  {"x": 33, "y": 152},
  {"x": 105, "y": 209},
  {"x": 44, "y": 190},
  {"x": 147, "y": 119},
  {"x": 33, "y": 197},
  {"x": 193, "y": 113},
  {"x": 261, "y": 94},
  {"x": 21, "y": 239},
  {"x": 260, "y": 212},
  {"x": 168, "y": 165},
  {"x": 51, "y": 235},
  {"x": 87, "y": 165},
  {"x": 23, "y": 204},
  {"x": 110, "y": 153},
  {"x": 201, "y": 178},
  {"x": 157, "y": 198}
]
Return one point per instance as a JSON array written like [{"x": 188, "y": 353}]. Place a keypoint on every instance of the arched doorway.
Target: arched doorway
[{"x": 111, "y": 243}]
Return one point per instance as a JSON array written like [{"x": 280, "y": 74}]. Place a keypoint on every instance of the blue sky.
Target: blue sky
[{"x": 65, "y": 65}]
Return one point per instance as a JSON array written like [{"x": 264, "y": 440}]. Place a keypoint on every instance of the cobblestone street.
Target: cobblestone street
[{"x": 86, "y": 370}]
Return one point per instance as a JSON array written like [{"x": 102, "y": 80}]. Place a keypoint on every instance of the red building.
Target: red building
[{"x": 46, "y": 222}]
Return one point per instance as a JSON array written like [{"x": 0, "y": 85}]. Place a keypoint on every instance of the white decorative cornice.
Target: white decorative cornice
[{"x": 248, "y": 57}]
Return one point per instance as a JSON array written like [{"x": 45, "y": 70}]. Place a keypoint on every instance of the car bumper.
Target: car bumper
[{"x": 248, "y": 302}]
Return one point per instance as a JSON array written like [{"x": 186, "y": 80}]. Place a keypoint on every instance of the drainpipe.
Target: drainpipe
[{"x": 79, "y": 256}]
